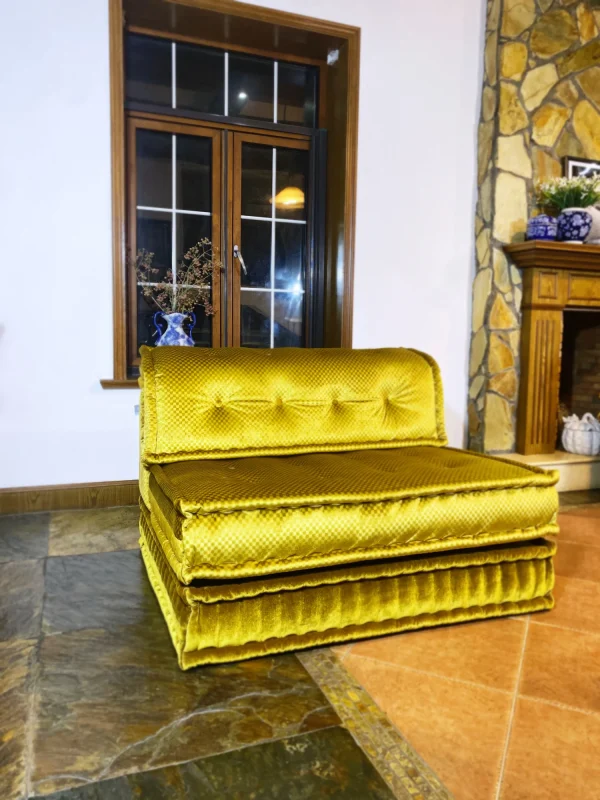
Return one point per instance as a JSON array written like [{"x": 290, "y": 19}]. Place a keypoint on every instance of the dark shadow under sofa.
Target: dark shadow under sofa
[{"x": 294, "y": 498}]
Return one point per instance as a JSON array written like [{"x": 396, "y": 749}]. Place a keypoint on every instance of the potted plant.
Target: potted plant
[
  {"x": 572, "y": 198},
  {"x": 177, "y": 296}
]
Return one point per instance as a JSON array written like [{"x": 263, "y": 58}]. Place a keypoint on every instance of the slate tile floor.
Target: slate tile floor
[
  {"x": 93, "y": 705},
  {"x": 506, "y": 709}
]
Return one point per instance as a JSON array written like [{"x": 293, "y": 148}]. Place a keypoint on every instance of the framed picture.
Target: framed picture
[{"x": 584, "y": 167}]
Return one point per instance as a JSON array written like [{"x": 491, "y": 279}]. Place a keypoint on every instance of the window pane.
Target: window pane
[
  {"x": 296, "y": 94},
  {"x": 290, "y": 197},
  {"x": 255, "y": 319},
  {"x": 193, "y": 173},
  {"x": 200, "y": 77},
  {"x": 256, "y": 252},
  {"x": 257, "y": 180},
  {"x": 146, "y": 309},
  {"x": 202, "y": 331},
  {"x": 148, "y": 70},
  {"x": 191, "y": 228},
  {"x": 289, "y": 320},
  {"x": 290, "y": 256},
  {"x": 154, "y": 235},
  {"x": 251, "y": 87},
  {"x": 153, "y": 168}
]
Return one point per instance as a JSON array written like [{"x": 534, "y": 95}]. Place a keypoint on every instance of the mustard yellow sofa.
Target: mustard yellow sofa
[{"x": 293, "y": 498}]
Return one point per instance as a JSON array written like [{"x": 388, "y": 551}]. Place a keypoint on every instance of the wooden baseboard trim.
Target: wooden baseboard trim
[{"x": 68, "y": 496}]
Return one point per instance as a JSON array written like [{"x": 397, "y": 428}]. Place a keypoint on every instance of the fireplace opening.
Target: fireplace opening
[{"x": 579, "y": 390}]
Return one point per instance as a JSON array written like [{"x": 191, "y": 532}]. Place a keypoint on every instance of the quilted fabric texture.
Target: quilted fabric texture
[
  {"x": 264, "y": 515},
  {"x": 295, "y": 498},
  {"x": 211, "y": 623},
  {"x": 217, "y": 403}
]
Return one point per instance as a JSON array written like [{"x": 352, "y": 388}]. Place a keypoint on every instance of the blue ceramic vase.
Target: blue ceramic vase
[
  {"x": 174, "y": 334},
  {"x": 542, "y": 227},
  {"x": 574, "y": 224}
]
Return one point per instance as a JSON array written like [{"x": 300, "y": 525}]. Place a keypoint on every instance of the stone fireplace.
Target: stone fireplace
[
  {"x": 540, "y": 102},
  {"x": 579, "y": 385},
  {"x": 560, "y": 338}
]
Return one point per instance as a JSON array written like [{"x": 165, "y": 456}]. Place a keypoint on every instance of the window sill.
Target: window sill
[{"x": 129, "y": 383}]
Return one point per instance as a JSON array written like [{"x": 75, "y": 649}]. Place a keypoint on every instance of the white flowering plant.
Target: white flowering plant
[{"x": 561, "y": 193}]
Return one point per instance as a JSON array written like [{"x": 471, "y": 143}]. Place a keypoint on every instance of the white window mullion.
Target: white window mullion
[
  {"x": 273, "y": 190},
  {"x": 173, "y": 212},
  {"x": 226, "y": 83},
  {"x": 173, "y": 75},
  {"x": 275, "y": 88}
]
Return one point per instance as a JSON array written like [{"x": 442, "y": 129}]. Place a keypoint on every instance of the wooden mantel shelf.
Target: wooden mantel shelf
[
  {"x": 557, "y": 277},
  {"x": 557, "y": 255}
]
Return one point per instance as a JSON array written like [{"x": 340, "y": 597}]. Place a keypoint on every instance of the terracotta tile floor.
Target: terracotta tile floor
[{"x": 506, "y": 709}]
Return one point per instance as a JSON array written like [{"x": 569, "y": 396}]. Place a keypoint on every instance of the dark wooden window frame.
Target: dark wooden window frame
[
  {"x": 135, "y": 123},
  {"x": 289, "y": 37}
]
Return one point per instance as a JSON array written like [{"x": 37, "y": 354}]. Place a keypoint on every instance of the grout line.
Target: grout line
[
  {"x": 135, "y": 549},
  {"x": 512, "y": 714},
  {"x": 566, "y": 628},
  {"x": 32, "y": 688},
  {"x": 433, "y": 674},
  {"x": 563, "y": 706},
  {"x": 562, "y": 540}
]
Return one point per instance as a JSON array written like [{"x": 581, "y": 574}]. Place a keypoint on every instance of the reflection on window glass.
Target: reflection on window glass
[
  {"x": 146, "y": 309},
  {"x": 199, "y": 76},
  {"x": 288, "y": 321},
  {"x": 148, "y": 70},
  {"x": 255, "y": 319},
  {"x": 251, "y": 87},
  {"x": 257, "y": 180},
  {"x": 256, "y": 250},
  {"x": 290, "y": 256},
  {"x": 154, "y": 235},
  {"x": 200, "y": 79},
  {"x": 154, "y": 157},
  {"x": 202, "y": 330},
  {"x": 290, "y": 186},
  {"x": 296, "y": 94},
  {"x": 193, "y": 179},
  {"x": 191, "y": 228}
]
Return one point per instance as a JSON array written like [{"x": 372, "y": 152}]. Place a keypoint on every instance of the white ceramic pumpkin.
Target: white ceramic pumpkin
[{"x": 581, "y": 436}]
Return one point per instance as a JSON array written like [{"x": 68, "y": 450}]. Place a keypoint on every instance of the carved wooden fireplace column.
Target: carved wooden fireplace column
[{"x": 556, "y": 276}]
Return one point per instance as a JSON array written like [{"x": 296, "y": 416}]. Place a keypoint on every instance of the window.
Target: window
[
  {"x": 196, "y": 170},
  {"x": 205, "y": 80},
  {"x": 197, "y": 89}
]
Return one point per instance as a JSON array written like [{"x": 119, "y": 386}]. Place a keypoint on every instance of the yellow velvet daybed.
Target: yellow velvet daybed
[{"x": 293, "y": 498}]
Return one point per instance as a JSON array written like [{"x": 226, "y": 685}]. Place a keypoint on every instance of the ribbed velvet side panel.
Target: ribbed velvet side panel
[{"x": 290, "y": 619}]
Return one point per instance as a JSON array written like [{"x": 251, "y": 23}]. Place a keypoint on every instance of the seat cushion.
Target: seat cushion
[
  {"x": 263, "y": 515},
  {"x": 219, "y": 621}
]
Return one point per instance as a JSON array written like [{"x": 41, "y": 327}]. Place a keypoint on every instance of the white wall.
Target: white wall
[{"x": 420, "y": 81}]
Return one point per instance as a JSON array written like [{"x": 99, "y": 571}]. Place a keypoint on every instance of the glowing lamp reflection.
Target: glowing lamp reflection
[{"x": 291, "y": 197}]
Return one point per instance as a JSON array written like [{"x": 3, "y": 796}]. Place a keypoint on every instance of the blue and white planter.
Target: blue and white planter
[
  {"x": 543, "y": 228},
  {"x": 574, "y": 224},
  {"x": 174, "y": 334}
]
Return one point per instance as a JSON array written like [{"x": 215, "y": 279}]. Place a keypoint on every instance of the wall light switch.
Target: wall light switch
[{"x": 136, "y": 410}]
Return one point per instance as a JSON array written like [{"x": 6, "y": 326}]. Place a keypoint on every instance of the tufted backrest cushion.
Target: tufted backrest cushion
[{"x": 227, "y": 402}]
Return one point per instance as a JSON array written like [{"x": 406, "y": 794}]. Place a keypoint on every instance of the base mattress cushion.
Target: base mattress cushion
[
  {"x": 212, "y": 621},
  {"x": 243, "y": 517}
]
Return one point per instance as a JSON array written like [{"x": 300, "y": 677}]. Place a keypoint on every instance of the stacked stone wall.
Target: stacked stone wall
[{"x": 540, "y": 102}]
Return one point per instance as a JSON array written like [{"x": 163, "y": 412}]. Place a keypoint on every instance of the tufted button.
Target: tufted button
[
  {"x": 278, "y": 402},
  {"x": 218, "y": 402}
]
